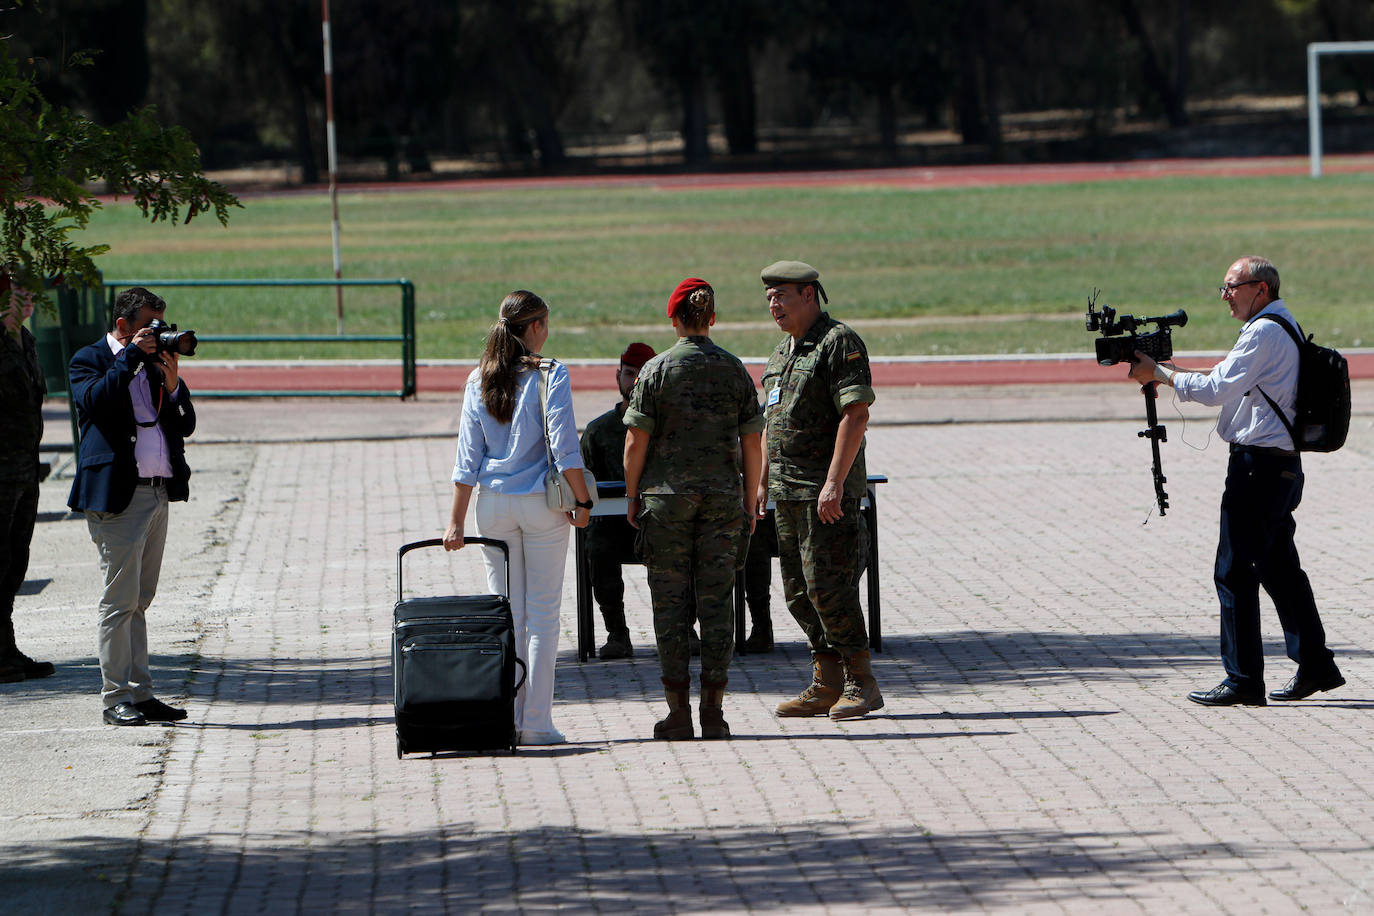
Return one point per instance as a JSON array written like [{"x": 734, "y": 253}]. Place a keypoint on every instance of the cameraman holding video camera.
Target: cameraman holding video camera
[
  {"x": 134, "y": 414},
  {"x": 1263, "y": 486}
]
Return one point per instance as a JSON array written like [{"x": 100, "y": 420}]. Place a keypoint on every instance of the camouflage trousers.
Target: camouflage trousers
[
  {"x": 821, "y": 566},
  {"x": 693, "y": 543}
]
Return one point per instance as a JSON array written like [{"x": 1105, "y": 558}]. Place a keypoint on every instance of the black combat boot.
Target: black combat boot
[
  {"x": 761, "y": 633},
  {"x": 617, "y": 646}
]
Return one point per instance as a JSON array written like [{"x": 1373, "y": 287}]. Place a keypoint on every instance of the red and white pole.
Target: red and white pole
[{"x": 331, "y": 145}]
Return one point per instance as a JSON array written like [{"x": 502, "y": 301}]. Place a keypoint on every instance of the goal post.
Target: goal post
[{"x": 1314, "y": 105}]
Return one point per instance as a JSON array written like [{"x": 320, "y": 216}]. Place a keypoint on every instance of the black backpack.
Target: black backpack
[{"x": 1323, "y": 409}]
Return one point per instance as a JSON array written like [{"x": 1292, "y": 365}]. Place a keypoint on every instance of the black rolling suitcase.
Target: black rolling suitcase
[{"x": 453, "y": 667}]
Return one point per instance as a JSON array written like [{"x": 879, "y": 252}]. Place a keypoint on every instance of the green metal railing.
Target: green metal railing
[{"x": 406, "y": 338}]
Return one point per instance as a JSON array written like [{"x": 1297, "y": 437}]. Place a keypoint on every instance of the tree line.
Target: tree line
[{"x": 527, "y": 83}]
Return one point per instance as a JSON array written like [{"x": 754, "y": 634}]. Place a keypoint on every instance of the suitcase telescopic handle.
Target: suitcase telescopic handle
[{"x": 439, "y": 542}]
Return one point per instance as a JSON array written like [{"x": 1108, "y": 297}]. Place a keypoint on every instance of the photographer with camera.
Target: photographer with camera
[
  {"x": 1263, "y": 486},
  {"x": 134, "y": 414}
]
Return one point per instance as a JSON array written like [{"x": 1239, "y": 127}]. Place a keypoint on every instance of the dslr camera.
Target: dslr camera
[
  {"x": 171, "y": 340},
  {"x": 1119, "y": 338}
]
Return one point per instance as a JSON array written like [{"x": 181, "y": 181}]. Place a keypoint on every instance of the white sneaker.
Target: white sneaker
[{"x": 533, "y": 739}]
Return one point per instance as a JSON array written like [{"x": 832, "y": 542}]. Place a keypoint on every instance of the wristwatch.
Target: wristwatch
[{"x": 583, "y": 505}]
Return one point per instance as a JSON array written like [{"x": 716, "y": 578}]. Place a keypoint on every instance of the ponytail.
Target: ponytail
[{"x": 505, "y": 353}]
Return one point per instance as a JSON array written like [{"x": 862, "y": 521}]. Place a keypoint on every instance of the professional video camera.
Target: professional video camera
[
  {"x": 1113, "y": 348},
  {"x": 170, "y": 340}
]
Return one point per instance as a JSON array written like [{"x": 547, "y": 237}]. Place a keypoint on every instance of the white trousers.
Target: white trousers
[
  {"x": 538, "y": 541},
  {"x": 130, "y": 545}
]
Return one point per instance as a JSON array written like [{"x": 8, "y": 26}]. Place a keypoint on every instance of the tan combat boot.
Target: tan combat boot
[
  {"x": 827, "y": 680},
  {"x": 678, "y": 725},
  {"x": 713, "y": 724},
  {"x": 861, "y": 694}
]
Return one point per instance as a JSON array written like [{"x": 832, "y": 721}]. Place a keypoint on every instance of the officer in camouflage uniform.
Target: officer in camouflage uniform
[
  {"x": 21, "y": 429},
  {"x": 610, "y": 539},
  {"x": 817, "y": 388},
  {"x": 694, "y": 429}
]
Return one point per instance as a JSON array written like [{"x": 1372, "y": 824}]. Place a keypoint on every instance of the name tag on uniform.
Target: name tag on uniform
[{"x": 775, "y": 396}]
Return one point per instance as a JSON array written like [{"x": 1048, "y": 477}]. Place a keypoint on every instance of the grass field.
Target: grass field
[{"x": 986, "y": 270}]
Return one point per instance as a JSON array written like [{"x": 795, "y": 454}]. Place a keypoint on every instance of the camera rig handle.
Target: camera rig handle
[{"x": 1156, "y": 433}]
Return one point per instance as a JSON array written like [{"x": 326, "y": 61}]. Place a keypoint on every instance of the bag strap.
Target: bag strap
[
  {"x": 545, "y": 367},
  {"x": 1296, "y": 335},
  {"x": 1297, "y": 339}
]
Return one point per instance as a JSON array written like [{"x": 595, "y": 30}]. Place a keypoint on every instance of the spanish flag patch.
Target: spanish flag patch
[{"x": 853, "y": 355}]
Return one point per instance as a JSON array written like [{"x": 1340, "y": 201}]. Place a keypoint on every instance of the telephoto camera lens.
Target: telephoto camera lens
[{"x": 171, "y": 340}]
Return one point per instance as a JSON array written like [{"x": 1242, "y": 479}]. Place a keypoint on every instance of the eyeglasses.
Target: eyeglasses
[{"x": 1232, "y": 287}]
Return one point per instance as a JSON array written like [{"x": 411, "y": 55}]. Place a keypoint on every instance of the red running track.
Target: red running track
[{"x": 451, "y": 378}]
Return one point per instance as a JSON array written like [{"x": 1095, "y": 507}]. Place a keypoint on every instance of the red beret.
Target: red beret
[
  {"x": 684, "y": 289},
  {"x": 636, "y": 355}
]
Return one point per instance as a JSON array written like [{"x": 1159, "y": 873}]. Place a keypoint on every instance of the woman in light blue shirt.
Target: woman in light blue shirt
[{"x": 501, "y": 453}]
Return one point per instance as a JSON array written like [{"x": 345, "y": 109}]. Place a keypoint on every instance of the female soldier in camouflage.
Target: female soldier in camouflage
[{"x": 693, "y": 457}]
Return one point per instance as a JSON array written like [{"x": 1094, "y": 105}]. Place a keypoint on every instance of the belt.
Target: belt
[
  {"x": 1264, "y": 450},
  {"x": 153, "y": 481}
]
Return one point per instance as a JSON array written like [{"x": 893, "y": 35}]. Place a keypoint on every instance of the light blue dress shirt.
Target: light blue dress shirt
[
  {"x": 1264, "y": 357},
  {"x": 150, "y": 444},
  {"x": 510, "y": 457}
]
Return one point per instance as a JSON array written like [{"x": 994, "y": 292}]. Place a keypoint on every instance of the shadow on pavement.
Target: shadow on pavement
[
  {"x": 674, "y": 871},
  {"x": 82, "y": 676},
  {"x": 1014, "y": 715},
  {"x": 951, "y": 660}
]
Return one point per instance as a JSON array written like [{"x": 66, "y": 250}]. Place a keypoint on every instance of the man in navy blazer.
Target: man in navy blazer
[{"x": 134, "y": 414}]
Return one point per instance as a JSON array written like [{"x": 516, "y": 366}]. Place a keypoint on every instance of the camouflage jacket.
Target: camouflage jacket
[
  {"x": 21, "y": 407},
  {"x": 695, "y": 401},
  {"x": 806, "y": 388},
  {"x": 603, "y": 445}
]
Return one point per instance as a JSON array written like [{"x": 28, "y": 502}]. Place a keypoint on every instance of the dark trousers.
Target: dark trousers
[
  {"x": 18, "y": 510},
  {"x": 610, "y": 543},
  {"x": 758, "y": 569},
  {"x": 1256, "y": 549}
]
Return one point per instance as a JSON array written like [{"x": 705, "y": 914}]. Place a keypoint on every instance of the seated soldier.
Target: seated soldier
[
  {"x": 610, "y": 539},
  {"x": 758, "y": 577}
]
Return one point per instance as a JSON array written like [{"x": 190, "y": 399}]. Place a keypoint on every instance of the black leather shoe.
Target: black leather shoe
[
  {"x": 1298, "y": 689},
  {"x": 124, "y": 714},
  {"x": 1226, "y": 695},
  {"x": 154, "y": 710}
]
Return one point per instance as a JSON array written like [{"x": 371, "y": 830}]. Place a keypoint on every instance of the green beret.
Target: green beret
[
  {"x": 789, "y": 272},
  {"x": 792, "y": 272}
]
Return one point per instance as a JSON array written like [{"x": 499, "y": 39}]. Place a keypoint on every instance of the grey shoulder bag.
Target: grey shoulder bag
[{"x": 558, "y": 495}]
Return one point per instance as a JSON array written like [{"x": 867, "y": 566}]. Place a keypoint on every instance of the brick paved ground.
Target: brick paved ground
[{"x": 1035, "y": 755}]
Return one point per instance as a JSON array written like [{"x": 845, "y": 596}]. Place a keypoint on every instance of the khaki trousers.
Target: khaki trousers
[{"x": 130, "y": 545}]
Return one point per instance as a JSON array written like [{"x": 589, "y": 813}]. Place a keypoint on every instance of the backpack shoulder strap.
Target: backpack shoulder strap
[{"x": 1297, "y": 338}]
